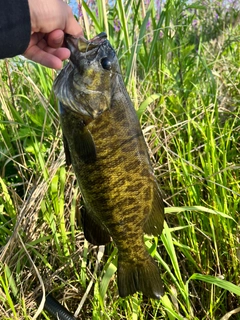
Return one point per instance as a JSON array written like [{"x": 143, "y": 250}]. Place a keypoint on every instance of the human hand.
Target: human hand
[{"x": 50, "y": 20}]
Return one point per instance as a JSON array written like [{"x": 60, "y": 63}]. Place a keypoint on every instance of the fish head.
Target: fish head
[
  {"x": 92, "y": 56},
  {"x": 84, "y": 85}
]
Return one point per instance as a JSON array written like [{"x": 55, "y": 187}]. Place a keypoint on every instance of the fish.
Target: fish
[{"x": 104, "y": 142}]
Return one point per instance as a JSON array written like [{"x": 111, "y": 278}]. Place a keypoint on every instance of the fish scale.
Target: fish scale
[{"x": 104, "y": 142}]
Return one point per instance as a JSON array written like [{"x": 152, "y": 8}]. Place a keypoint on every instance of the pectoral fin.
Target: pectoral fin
[
  {"x": 154, "y": 223},
  {"x": 85, "y": 146},
  {"x": 67, "y": 152}
]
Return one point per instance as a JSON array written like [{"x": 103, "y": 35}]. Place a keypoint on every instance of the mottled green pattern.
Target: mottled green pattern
[{"x": 111, "y": 162}]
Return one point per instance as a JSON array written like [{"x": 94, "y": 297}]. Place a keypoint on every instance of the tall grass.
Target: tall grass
[{"x": 184, "y": 83}]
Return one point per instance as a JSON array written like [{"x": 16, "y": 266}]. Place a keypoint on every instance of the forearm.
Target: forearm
[{"x": 15, "y": 27}]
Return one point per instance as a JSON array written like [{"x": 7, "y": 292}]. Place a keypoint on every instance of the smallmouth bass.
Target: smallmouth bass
[{"x": 104, "y": 142}]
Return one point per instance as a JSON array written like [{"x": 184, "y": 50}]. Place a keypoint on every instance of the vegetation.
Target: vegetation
[{"x": 181, "y": 64}]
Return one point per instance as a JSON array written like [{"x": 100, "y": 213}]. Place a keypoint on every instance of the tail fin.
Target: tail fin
[{"x": 143, "y": 277}]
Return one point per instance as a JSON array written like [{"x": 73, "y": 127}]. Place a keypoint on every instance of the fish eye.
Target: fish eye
[{"x": 106, "y": 63}]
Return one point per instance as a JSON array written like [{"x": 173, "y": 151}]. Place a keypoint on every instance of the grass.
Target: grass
[{"x": 184, "y": 83}]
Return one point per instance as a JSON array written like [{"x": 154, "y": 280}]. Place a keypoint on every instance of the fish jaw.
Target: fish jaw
[{"x": 81, "y": 44}]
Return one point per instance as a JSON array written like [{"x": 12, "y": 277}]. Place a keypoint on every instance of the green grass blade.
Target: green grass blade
[
  {"x": 200, "y": 209},
  {"x": 226, "y": 285},
  {"x": 143, "y": 106}
]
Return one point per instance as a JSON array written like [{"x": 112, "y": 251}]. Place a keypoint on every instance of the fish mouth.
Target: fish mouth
[
  {"x": 85, "y": 52},
  {"x": 83, "y": 45}
]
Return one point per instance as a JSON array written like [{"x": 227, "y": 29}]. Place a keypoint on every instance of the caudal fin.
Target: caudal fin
[{"x": 143, "y": 277}]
